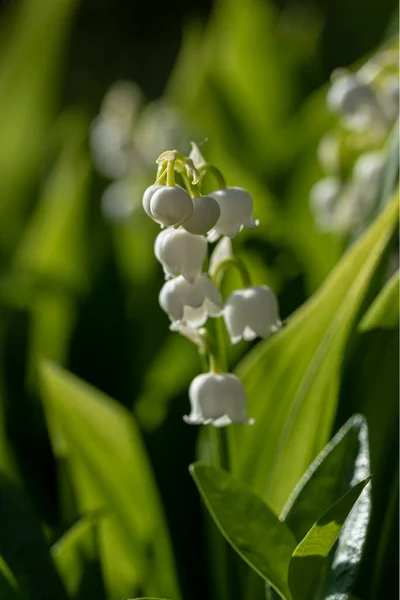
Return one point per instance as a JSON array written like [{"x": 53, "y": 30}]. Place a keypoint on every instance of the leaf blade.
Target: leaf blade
[
  {"x": 247, "y": 523},
  {"x": 311, "y": 553}
]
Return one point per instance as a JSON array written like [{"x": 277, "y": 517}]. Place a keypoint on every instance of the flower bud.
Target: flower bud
[
  {"x": 217, "y": 398},
  {"x": 324, "y": 196},
  {"x": 171, "y": 206},
  {"x": 251, "y": 312},
  {"x": 180, "y": 252},
  {"x": 206, "y": 212},
  {"x": 147, "y": 196},
  {"x": 191, "y": 304},
  {"x": 236, "y": 212}
]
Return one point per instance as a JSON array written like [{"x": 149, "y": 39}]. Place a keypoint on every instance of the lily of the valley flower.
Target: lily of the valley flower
[
  {"x": 171, "y": 206},
  {"x": 180, "y": 252},
  {"x": 251, "y": 312},
  {"x": 218, "y": 399},
  {"x": 206, "y": 212},
  {"x": 323, "y": 198},
  {"x": 191, "y": 304},
  {"x": 236, "y": 206},
  {"x": 356, "y": 101},
  {"x": 147, "y": 196}
]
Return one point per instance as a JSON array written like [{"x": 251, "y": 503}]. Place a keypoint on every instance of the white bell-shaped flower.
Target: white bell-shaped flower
[
  {"x": 324, "y": 196},
  {"x": 236, "y": 206},
  {"x": 356, "y": 101},
  {"x": 147, "y": 196},
  {"x": 180, "y": 252},
  {"x": 218, "y": 399},
  {"x": 206, "y": 212},
  {"x": 250, "y": 313},
  {"x": 191, "y": 304},
  {"x": 171, "y": 205}
]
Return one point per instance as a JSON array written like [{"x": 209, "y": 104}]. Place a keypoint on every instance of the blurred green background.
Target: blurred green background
[{"x": 79, "y": 282}]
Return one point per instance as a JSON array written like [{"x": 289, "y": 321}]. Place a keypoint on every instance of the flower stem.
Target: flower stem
[
  {"x": 171, "y": 173},
  {"x": 208, "y": 168},
  {"x": 239, "y": 266}
]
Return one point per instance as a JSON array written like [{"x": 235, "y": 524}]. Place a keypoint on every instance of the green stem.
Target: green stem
[
  {"x": 208, "y": 168},
  {"x": 171, "y": 173},
  {"x": 161, "y": 173},
  {"x": 192, "y": 189},
  {"x": 239, "y": 266}
]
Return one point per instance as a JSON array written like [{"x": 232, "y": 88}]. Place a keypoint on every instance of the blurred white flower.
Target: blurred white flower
[
  {"x": 171, "y": 206},
  {"x": 119, "y": 201},
  {"x": 191, "y": 304},
  {"x": 356, "y": 102},
  {"x": 180, "y": 252},
  {"x": 368, "y": 167},
  {"x": 206, "y": 212},
  {"x": 251, "y": 312},
  {"x": 236, "y": 206},
  {"x": 111, "y": 133},
  {"x": 217, "y": 399},
  {"x": 323, "y": 197}
]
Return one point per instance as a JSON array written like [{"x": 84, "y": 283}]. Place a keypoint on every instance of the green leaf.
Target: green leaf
[
  {"x": 33, "y": 35},
  {"x": 9, "y": 589},
  {"x": 111, "y": 471},
  {"x": 312, "y": 552},
  {"x": 24, "y": 547},
  {"x": 75, "y": 555},
  {"x": 292, "y": 380},
  {"x": 343, "y": 463},
  {"x": 252, "y": 529},
  {"x": 384, "y": 311}
]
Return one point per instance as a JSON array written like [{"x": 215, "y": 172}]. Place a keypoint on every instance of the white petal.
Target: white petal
[
  {"x": 214, "y": 300},
  {"x": 234, "y": 397},
  {"x": 251, "y": 312},
  {"x": 172, "y": 206},
  {"x": 236, "y": 211},
  {"x": 147, "y": 196},
  {"x": 206, "y": 212},
  {"x": 181, "y": 252},
  {"x": 195, "y": 317}
]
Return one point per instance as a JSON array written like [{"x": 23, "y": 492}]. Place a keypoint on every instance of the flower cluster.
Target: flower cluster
[
  {"x": 190, "y": 221},
  {"x": 353, "y": 156},
  {"x": 124, "y": 138}
]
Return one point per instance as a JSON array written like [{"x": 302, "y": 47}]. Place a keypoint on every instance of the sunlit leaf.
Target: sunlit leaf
[
  {"x": 384, "y": 311},
  {"x": 112, "y": 472},
  {"x": 312, "y": 552},
  {"x": 33, "y": 35},
  {"x": 292, "y": 380},
  {"x": 9, "y": 589},
  {"x": 75, "y": 555},
  {"x": 252, "y": 529}
]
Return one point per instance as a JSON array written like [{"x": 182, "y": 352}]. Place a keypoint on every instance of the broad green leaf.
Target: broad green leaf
[
  {"x": 370, "y": 383},
  {"x": 53, "y": 247},
  {"x": 292, "y": 380},
  {"x": 9, "y": 589},
  {"x": 384, "y": 311},
  {"x": 23, "y": 545},
  {"x": 33, "y": 39},
  {"x": 112, "y": 471},
  {"x": 312, "y": 552},
  {"x": 252, "y": 529},
  {"x": 343, "y": 463},
  {"x": 75, "y": 555}
]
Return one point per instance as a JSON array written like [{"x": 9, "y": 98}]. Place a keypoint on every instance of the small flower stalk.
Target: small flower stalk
[{"x": 190, "y": 221}]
